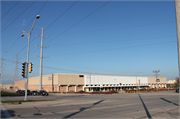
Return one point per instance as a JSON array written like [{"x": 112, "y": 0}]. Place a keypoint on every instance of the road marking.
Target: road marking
[{"x": 6, "y": 113}]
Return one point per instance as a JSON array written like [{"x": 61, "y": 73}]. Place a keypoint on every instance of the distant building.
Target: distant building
[
  {"x": 77, "y": 82},
  {"x": 171, "y": 83}
]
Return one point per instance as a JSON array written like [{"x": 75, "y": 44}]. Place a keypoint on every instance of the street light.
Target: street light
[
  {"x": 29, "y": 36},
  {"x": 90, "y": 77},
  {"x": 136, "y": 80}
]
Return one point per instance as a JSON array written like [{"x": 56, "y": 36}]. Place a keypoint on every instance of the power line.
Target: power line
[
  {"x": 118, "y": 27},
  {"x": 48, "y": 26},
  {"x": 52, "y": 23},
  {"x": 116, "y": 40},
  {"x": 114, "y": 48},
  {"x": 79, "y": 21},
  {"x": 62, "y": 14},
  {"x": 17, "y": 16},
  {"x": 17, "y": 13},
  {"x": 36, "y": 14},
  {"x": 10, "y": 9},
  {"x": 26, "y": 27}
]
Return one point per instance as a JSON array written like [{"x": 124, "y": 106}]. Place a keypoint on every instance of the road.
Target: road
[{"x": 142, "y": 105}]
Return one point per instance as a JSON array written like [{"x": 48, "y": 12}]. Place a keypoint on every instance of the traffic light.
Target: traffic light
[
  {"x": 30, "y": 67},
  {"x": 24, "y": 70}
]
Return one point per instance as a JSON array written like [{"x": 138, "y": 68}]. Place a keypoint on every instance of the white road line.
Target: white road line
[{"x": 6, "y": 113}]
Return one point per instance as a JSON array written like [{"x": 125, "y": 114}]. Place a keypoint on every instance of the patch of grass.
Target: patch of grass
[
  {"x": 4, "y": 94},
  {"x": 20, "y": 101}
]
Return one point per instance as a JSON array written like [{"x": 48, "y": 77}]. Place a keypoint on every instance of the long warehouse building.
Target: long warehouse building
[{"x": 85, "y": 82}]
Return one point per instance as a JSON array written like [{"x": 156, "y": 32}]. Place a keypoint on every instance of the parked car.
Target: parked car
[
  {"x": 177, "y": 90},
  {"x": 18, "y": 91},
  {"x": 33, "y": 92},
  {"x": 23, "y": 92},
  {"x": 42, "y": 92}
]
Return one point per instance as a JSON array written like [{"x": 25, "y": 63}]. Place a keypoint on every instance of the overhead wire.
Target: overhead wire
[
  {"x": 79, "y": 21},
  {"x": 54, "y": 21},
  {"x": 113, "y": 48},
  {"x": 62, "y": 14},
  {"x": 9, "y": 10},
  {"x": 18, "y": 16},
  {"x": 48, "y": 25},
  {"x": 118, "y": 28},
  {"x": 27, "y": 26},
  {"x": 115, "y": 40}
]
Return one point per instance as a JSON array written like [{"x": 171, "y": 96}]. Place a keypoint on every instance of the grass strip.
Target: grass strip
[
  {"x": 20, "y": 101},
  {"x": 4, "y": 94}
]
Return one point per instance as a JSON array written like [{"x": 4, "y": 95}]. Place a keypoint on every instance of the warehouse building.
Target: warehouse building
[{"x": 85, "y": 82}]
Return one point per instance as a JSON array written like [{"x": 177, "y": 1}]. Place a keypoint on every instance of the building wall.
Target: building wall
[
  {"x": 8, "y": 86},
  {"x": 63, "y": 88},
  {"x": 102, "y": 79},
  {"x": 79, "y": 88},
  {"x": 70, "y": 79},
  {"x": 71, "y": 88},
  {"x": 153, "y": 80},
  {"x": 46, "y": 80},
  {"x": 47, "y": 88},
  {"x": 20, "y": 84}
]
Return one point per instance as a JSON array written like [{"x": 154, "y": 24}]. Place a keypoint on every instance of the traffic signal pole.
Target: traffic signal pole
[{"x": 29, "y": 36}]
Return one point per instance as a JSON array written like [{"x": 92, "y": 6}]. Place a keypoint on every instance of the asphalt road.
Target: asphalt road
[{"x": 143, "y": 105}]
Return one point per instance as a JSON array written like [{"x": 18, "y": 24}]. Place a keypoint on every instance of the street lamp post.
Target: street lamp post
[
  {"x": 136, "y": 80},
  {"x": 29, "y": 36},
  {"x": 90, "y": 77}
]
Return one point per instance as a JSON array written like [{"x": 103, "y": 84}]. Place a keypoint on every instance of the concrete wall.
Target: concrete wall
[
  {"x": 71, "y": 88},
  {"x": 46, "y": 80},
  {"x": 70, "y": 79},
  {"x": 102, "y": 79},
  {"x": 153, "y": 80},
  {"x": 20, "y": 84}
]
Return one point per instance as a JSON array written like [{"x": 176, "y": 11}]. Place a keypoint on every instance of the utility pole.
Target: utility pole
[
  {"x": 156, "y": 76},
  {"x": 177, "y": 7},
  {"x": 16, "y": 74},
  {"x": 41, "y": 56},
  {"x": 2, "y": 72}
]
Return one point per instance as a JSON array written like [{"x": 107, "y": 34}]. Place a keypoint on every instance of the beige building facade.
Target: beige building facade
[{"x": 83, "y": 82}]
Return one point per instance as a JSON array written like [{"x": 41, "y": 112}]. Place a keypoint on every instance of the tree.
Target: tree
[{"x": 177, "y": 82}]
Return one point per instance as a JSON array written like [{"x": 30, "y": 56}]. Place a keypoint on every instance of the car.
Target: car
[
  {"x": 18, "y": 91},
  {"x": 33, "y": 93},
  {"x": 42, "y": 92},
  {"x": 177, "y": 90},
  {"x": 23, "y": 92}
]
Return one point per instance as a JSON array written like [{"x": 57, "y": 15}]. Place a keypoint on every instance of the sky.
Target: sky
[{"x": 104, "y": 37}]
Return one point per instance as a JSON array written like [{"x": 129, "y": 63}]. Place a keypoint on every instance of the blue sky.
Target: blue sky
[{"x": 111, "y": 38}]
